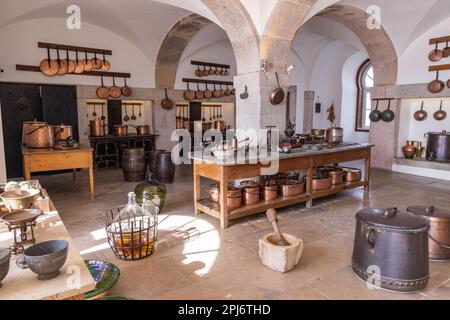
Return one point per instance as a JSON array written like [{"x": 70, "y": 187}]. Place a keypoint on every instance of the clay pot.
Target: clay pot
[{"x": 409, "y": 150}]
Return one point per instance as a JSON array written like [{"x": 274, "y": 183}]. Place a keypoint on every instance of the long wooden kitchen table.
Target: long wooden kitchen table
[
  {"x": 43, "y": 160},
  {"x": 73, "y": 281},
  {"x": 225, "y": 170}
]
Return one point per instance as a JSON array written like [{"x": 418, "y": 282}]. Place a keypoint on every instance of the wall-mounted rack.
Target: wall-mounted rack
[
  {"x": 21, "y": 67},
  {"x": 132, "y": 104},
  {"x": 188, "y": 80},
  {"x": 384, "y": 99},
  {"x": 95, "y": 103},
  {"x": 210, "y": 64},
  {"x": 62, "y": 47},
  {"x": 442, "y": 67},
  {"x": 439, "y": 40},
  {"x": 211, "y": 105}
]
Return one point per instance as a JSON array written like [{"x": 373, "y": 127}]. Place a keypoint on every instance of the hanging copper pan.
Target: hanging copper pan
[
  {"x": 198, "y": 72},
  {"x": 440, "y": 115},
  {"x": 126, "y": 90},
  {"x": 229, "y": 91},
  {"x": 221, "y": 91},
  {"x": 277, "y": 95},
  {"x": 96, "y": 62},
  {"x": 48, "y": 66},
  {"x": 446, "y": 50},
  {"x": 102, "y": 92},
  {"x": 207, "y": 93},
  {"x": 79, "y": 64},
  {"x": 189, "y": 94},
  {"x": 199, "y": 93},
  {"x": 87, "y": 63},
  {"x": 216, "y": 93},
  {"x": 106, "y": 65},
  {"x": 167, "y": 103},
  {"x": 62, "y": 64},
  {"x": 70, "y": 63},
  {"x": 436, "y": 86},
  {"x": 115, "y": 92},
  {"x": 216, "y": 72},
  {"x": 436, "y": 55}
]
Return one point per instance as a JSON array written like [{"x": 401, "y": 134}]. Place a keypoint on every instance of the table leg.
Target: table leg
[
  {"x": 367, "y": 176},
  {"x": 91, "y": 177},
  {"x": 223, "y": 199},
  {"x": 309, "y": 179},
  {"x": 197, "y": 189},
  {"x": 74, "y": 175},
  {"x": 26, "y": 168}
]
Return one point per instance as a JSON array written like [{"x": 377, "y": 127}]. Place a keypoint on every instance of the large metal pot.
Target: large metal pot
[
  {"x": 394, "y": 245},
  {"x": 40, "y": 137},
  {"x": 62, "y": 132},
  {"x": 142, "y": 130},
  {"x": 439, "y": 233},
  {"x": 28, "y": 126},
  {"x": 335, "y": 136},
  {"x": 120, "y": 131},
  {"x": 438, "y": 146},
  {"x": 250, "y": 192},
  {"x": 292, "y": 188},
  {"x": 321, "y": 182},
  {"x": 97, "y": 128}
]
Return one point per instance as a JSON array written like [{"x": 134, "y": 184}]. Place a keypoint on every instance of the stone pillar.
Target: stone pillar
[{"x": 308, "y": 116}]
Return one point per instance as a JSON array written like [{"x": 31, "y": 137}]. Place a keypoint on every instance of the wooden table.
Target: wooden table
[
  {"x": 223, "y": 171},
  {"x": 43, "y": 160},
  {"x": 71, "y": 284}
]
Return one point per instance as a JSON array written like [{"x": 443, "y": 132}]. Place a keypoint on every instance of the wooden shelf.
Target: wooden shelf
[
  {"x": 21, "y": 67},
  {"x": 439, "y": 40},
  {"x": 189, "y": 80},
  {"x": 210, "y": 64},
  {"x": 442, "y": 67},
  {"x": 338, "y": 189},
  {"x": 64, "y": 47}
]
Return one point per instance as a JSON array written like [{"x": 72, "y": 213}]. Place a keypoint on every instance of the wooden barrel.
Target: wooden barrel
[
  {"x": 152, "y": 160},
  {"x": 133, "y": 164},
  {"x": 165, "y": 168}
]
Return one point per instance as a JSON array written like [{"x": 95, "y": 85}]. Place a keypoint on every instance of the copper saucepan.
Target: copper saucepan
[
  {"x": 71, "y": 66},
  {"x": 167, "y": 103},
  {"x": 277, "y": 95},
  {"x": 207, "y": 93},
  {"x": 120, "y": 131},
  {"x": 79, "y": 64},
  {"x": 62, "y": 64},
  {"x": 102, "y": 92},
  {"x": 216, "y": 93},
  {"x": 436, "y": 54},
  {"x": 436, "y": 86},
  {"x": 48, "y": 66},
  {"x": 96, "y": 62},
  {"x": 106, "y": 65},
  {"x": 142, "y": 130},
  {"x": 421, "y": 115},
  {"x": 126, "y": 90},
  {"x": 440, "y": 115},
  {"x": 189, "y": 94},
  {"x": 115, "y": 92},
  {"x": 199, "y": 93},
  {"x": 87, "y": 63}
]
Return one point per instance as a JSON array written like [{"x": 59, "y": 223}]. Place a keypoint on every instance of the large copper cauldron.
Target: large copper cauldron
[
  {"x": 40, "y": 137},
  {"x": 395, "y": 245},
  {"x": 439, "y": 234},
  {"x": 28, "y": 126}
]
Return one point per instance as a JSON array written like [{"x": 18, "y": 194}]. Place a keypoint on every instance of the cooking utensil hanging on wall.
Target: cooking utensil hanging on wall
[
  {"x": 189, "y": 94},
  {"x": 216, "y": 72},
  {"x": 48, "y": 66},
  {"x": 186, "y": 118},
  {"x": 126, "y": 90},
  {"x": 133, "y": 117},
  {"x": 106, "y": 65},
  {"x": 94, "y": 113},
  {"x": 96, "y": 62},
  {"x": 167, "y": 103},
  {"x": 198, "y": 72},
  {"x": 221, "y": 115},
  {"x": 228, "y": 92},
  {"x": 436, "y": 86},
  {"x": 207, "y": 93},
  {"x": 436, "y": 54},
  {"x": 79, "y": 64},
  {"x": 216, "y": 93},
  {"x": 277, "y": 95},
  {"x": 103, "y": 118},
  {"x": 421, "y": 115},
  {"x": 207, "y": 73},
  {"x": 199, "y": 93},
  {"x": 102, "y": 92},
  {"x": 115, "y": 92},
  {"x": 126, "y": 118},
  {"x": 70, "y": 63},
  {"x": 375, "y": 115},
  {"x": 222, "y": 92},
  {"x": 87, "y": 63},
  {"x": 140, "y": 110},
  {"x": 440, "y": 115},
  {"x": 388, "y": 115},
  {"x": 62, "y": 64},
  {"x": 203, "y": 114},
  {"x": 446, "y": 50}
]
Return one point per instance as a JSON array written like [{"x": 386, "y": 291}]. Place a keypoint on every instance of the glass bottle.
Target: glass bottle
[{"x": 151, "y": 190}]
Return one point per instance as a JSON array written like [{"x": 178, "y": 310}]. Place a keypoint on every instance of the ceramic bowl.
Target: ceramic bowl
[
  {"x": 19, "y": 199},
  {"x": 105, "y": 275}
]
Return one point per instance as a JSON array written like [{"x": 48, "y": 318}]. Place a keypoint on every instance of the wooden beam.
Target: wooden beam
[
  {"x": 442, "y": 67},
  {"x": 64, "y": 47},
  {"x": 21, "y": 67},
  {"x": 188, "y": 80},
  {"x": 439, "y": 40},
  {"x": 210, "y": 64}
]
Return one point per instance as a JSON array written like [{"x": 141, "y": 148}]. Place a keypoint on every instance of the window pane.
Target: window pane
[{"x": 368, "y": 79}]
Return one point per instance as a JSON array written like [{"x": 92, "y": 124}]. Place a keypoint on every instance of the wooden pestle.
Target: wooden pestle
[{"x": 278, "y": 239}]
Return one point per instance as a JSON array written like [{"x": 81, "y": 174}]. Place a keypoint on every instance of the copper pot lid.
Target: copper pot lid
[
  {"x": 391, "y": 219},
  {"x": 22, "y": 216},
  {"x": 430, "y": 213}
]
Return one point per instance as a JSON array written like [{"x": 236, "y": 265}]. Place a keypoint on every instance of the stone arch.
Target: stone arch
[{"x": 280, "y": 33}]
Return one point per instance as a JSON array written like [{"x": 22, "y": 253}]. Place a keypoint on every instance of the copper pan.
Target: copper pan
[
  {"x": 199, "y": 93},
  {"x": 216, "y": 93},
  {"x": 189, "y": 94},
  {"x": 436, "y": 55},
  {"x": 446, "y": 50},
  {"x": 79, "y": 65},
  {"x": 221, "y": 91},
  {"x": 436, "y": 86},
  {"x": 87, "y": 63},
  {"x": 115, "y": 92},
  {"x": 167, "y": 103},
  {"x": 48, "y": 66},
  {"x": 71, "y": 66},
  {"x": 102, "y": 92},
  {"x": 277, "y": 95},
  {"x": 229, "y": 91},
  {"x": 62, "y": 64},
  {"x": 126, "y": 90},
  {"x": 207, "y": 93},
  {"x": 96, "y": 63},
  {"x": 106, "y": 65},
  {"x": 198, "y": 72}
]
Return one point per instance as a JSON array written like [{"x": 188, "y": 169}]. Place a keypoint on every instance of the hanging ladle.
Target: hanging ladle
[
  {"x": 133, "y": 117},
  {"x": 126, "y": 118},
  {"x": 421, "y": 115},
  {"x": 203, "y": 114},
  {"x": 103, "y": 113},
  {"x": 140, "y": 111},
  {"x": 94, "y": 114},
  {"x": 440, "y": 115}
]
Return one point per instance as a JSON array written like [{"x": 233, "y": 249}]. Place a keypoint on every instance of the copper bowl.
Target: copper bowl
[
  {"x": 352, "y": 174},
  {"x": 270, "y": 191},
  {"x": 321, "y": 182},
  {"x": 293, "y": 188}
]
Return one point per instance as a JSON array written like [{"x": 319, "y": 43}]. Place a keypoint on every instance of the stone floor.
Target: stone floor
[{"x": 197, "y": 260}]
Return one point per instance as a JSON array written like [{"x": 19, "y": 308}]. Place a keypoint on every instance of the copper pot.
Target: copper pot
[
  {"x": 234, "y": 199},
  {"x": 439, "y": 233},
  {"x": 352, "y": 175},
  {"x": 120, "y": 131},
  {"x": 293, "y": 188},
  {"x": 97, "y": 129},
  {"x": 321, "y": 182},
  {"x": 62, "y": 132},
  {"x": 40, "y": 137},
  {"x": 250, "y": 190},
  {"x": 337, "y": 177},
  {"x": 214, "y": 192},
  {"x": 28, "y": 126},
  {"x": 409, "y": 150},
  {"x": 270, "y": 191},
  {"x": 143, "y": 130}
]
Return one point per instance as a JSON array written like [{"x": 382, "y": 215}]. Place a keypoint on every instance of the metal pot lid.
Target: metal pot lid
[
  {"x": 391, "y": 219},
  {"x": 442, "y": 133},
  {"x": 430, "y": 213},
  {"x": 5, "y": 254}
]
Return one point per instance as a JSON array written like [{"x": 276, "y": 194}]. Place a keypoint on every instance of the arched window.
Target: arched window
[{"x": 364, "y": 82}]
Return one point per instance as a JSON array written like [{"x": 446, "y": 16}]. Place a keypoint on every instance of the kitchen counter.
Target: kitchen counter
[
  {"x": 74, "y": 280},
  {"x": 240, "y": 167}
]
